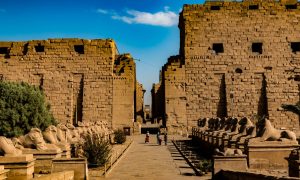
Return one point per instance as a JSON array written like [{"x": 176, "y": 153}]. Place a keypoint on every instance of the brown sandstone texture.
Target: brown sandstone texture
[
  {"x": 236, "y": 59},
  {"x": 84, "y": 80},
  {"x": 157, "y": 108},
  {"x": 139, "y": 101},
  {"x": 175, "y": 96}
]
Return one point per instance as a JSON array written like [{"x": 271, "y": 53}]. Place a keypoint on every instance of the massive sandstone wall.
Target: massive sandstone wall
[
  {"x": 76, "y": 75},
  {"x": 139, "y": 101},
  {"x": 241, "y": 59},
  {"x": 157, "y": 107},
  {"x": 175, "y": 97},
  {"x": 124, "y": 85}
]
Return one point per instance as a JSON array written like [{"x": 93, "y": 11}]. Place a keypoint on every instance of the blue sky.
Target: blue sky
[{"x": 145, "y": 28}]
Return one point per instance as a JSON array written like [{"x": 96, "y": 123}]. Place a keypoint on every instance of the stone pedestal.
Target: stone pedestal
[
  {"x": 225, "y": 141},
  {"x": 20, "y": 167},
  {"x": 269, "y": 154},
  {"x": 210, "y": 138},
  {"x": 3, "y": 173},
  {"x": 235, "y": 163},
  {"x": 43, "y": 158},
  {"x": 219, "y": 140},
  {"x": 66, "y": 150},
  {"x": 216, "y": 138},
  {"x": 242, "y": 143},
  {"x": 78, "y": 165}
]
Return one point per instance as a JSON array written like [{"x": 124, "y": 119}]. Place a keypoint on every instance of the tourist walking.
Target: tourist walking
[
  {"x": 158, "y": 138},
  {"x": 147, "y": 137},
  {"x": 166, "y": 138}
]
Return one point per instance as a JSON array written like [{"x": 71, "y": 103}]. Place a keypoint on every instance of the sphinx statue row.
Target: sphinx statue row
[
  {"x": 54, "y": 137},
  {"x": 228, "y": 133}
]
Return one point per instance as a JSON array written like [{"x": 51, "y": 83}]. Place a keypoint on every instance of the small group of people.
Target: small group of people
[{"x": 158, "y": 138}]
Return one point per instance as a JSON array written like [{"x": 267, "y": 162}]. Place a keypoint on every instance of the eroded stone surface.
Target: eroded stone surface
[
  {"x": 79, "y": 77},
  {"x": 234, "y": 61}
]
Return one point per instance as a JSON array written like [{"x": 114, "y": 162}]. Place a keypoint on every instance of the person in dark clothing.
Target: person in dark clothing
[
  {"x": 166, "y": 138},
  {"x": 158, "y": 138},
  {"x": 147, "y": 137}
]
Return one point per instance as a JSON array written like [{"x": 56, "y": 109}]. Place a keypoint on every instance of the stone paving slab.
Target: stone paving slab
[{"x": 151, "y": 161}]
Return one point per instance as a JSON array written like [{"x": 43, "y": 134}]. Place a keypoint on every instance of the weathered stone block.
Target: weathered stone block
[
  {"x": 43, "y": 158},
  {"x": 20, "y": 167},
  {"x": 64, "y": 175},
  {"x": 78, "y": 165},
  {"x": 66, "y": 150},
  {"x": 235, "y": 163},
  {"x": 3, "y": 173},
  {"x": 65, "y": 68},
  {"x": 269, "y": 154}
]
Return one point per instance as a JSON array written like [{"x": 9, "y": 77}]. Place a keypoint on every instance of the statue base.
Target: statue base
[
  {"x": 20, "y": 166},
  {"x": 43, "y": 158},
  {"x": 269, "y": 154},
  {"x": 235, "y": 163},
  {"x": 78, "y": 165},
  {"x": 66, "y": 150}
]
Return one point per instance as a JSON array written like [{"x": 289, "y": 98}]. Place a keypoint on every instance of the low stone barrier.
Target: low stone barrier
[
  {"x": 190, "y": 163},
  {"x": 77, "y": 165},
  {"x": 106, "y": 169},
  {"x": 114, "y": 159},
  {"x": 43, "y": 158},
  {"x": 238, "y": 163},
  {"x": 237, "y": 175},
  {"x": 65, "y": 175}
]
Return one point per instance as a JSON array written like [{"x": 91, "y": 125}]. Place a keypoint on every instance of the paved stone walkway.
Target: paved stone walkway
[{"x": 151, "y": 161}]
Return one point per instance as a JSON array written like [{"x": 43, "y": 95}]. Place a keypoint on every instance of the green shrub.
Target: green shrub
[
  {"x": 22, "y": 107},
  {"x": 120, "y": 136},
  {"x": 204, "y": 165},
  {"x": 96, "y": 150}
]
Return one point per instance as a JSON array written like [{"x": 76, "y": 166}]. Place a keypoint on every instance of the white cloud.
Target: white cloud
[
  {"x": 164, "y": 18},
  {"x": 102, "y": 11},
  {"x": 123, "y": 18}
]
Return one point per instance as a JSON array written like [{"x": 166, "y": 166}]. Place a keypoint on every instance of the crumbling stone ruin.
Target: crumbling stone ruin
[
  {"x": 84, "y": 80},
  {"x": 124, "y": 89},
  {"x": 175, "y": 99},
  {"x": 139, "y": 102},
  {"x": 157, "y": 108},
  {"x": 235, "y": 59}
]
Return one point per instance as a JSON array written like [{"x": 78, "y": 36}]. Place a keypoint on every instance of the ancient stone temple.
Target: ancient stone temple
[
  {"x": 235, "y": 59},
  {"x": 139, "y": 101},
  {"x": 157, "y": 108},
  {"x": 124, "y": 89},
  {"x": 175, "y": 97},
  {"x": 84, "y": 80}
]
